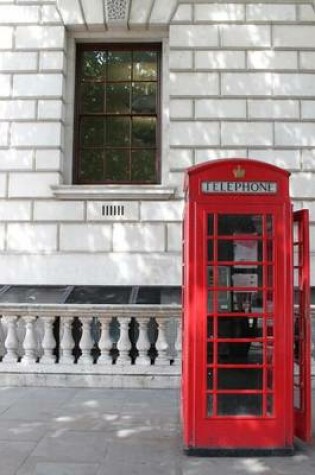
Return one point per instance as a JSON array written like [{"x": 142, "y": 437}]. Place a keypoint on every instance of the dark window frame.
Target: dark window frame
[{"x": 80, "y": 49}]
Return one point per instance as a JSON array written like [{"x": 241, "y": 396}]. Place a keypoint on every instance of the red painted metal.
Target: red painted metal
[
  {"x": 302, "y": 327},
  {"x": 237, "y": 379}
]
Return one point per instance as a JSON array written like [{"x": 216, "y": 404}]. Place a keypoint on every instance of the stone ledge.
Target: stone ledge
[{"x": 113, "y": 192}]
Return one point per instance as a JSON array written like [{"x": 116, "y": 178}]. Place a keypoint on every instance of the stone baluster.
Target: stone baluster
[
  {"x": 29, "y": 343},
  {"x": 67, "y": 341},
  {"x": 161, "y": 343},
  {"x": 11, "y": 342},
  {"x": 123, "y": 344},
  {"x": 178, "y": 343},
  {"x": 48, "y": 342},
  {"x": 105, "y": 344},
  {"x": 143, "y": 343},
  {"x": 86, "y": 342}
]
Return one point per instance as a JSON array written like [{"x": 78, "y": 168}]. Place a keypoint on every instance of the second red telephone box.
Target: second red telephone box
[{"x": 246, "y": 335}]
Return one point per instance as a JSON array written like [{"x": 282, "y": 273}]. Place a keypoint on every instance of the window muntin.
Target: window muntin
[{"x": 117, "y": 114}]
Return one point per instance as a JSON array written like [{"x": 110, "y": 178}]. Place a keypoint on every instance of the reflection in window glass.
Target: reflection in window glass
[
  {"x": 210, "y": 224},
  {"x": 239, "y": 404},
  {"x": 210, "y": 379},
  {"x": 209, "y": 405},
  {"x": 240, "y": 250},
  {"x": 239, "y": 224},
  {"x": 209, "y": 353},
  {"x": 240, "y": 327},
  {"x": 269, "y": 404},
  {"x": 240, "y": 378},
  {"x": 210, "y": 327},
  {"x": 240, "y": 353}
]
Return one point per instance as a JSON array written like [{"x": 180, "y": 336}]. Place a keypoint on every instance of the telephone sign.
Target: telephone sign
[{"x": 246, "y": 340}]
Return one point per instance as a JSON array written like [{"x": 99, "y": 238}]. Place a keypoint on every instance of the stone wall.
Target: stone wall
[{"x": 238, "y": 80}]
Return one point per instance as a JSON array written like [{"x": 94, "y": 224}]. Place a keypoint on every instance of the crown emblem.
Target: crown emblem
[{"x": 239, "y": 172}]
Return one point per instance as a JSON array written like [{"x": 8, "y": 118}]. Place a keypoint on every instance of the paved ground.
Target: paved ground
[{"x": 70, "y": 431}]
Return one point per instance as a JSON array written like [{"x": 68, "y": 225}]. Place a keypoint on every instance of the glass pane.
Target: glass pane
[
  {"x": 119, "y": 66},
  {"x": 224, "y": 276},
  {"x": 209, "y": 405},
  {"x": 118, "y": 131},
  {"x": 269, "y": 246},
  {"x": 269, "y": 301},
  {"x": 210, "y": 301},
  {"x": 144, "y": 132},
  {"x": 229, "y": 224},
  {"x": 143, "y": 166},
  {"x": 210, "y": 250},
  {"x": 297, "y": 397},
  {"x": 269, "y": 225},
  {"x": 210, "y": 327},
  {"x": 240, "y": 378},
  {"x": 269, "y": 276},
  {"x": 239, "y": 404},
  {"x": 209, "y": 378},
  {"x": 91, "y": 165},
  {"x": 210, "y": 276},
  {"x": 92, "y": 97},
  {"x": 269, "y": 404},
  {"x": 269, "y": 327},
  {"x": 269, "y": 352},
  {"x": 118, "y": 98},
  {"x": 240, "y": 353},
  {"x": 239, "y": 250},
  {"x": 269, "y": 377},
  {"x": 144, "y": 98},
  {"x": 224, "y": 301},
  {"x": 209, "y": 353},
  {"x": 240, "y": 327},
  {"x": 92, "y": 132},
  {"x": 247, "y": 278},
  {"x": 210, "y": 224},
  {"x": 144, "y": 65},
  {"x": 93, "y": 64},
  {"x": 256, "y": 302},
  {"x": 117, "y": 165}
]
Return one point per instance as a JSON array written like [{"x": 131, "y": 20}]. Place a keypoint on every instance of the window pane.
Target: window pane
[
  {"x": 118, "y": 98},
  {"x": 143, "y": 166},
  {"x": 92, "y": 97},
  {"x": 239, "y": 404},
  {"x": 144, "y": 98},
  {"x": 91, "y": 165},
  {"x": 119, "y": 66},
  {"x": 143, "y": 132},
  {"x": 240, "y": 378},
  {"x": 144, "y": 65},
  {"x": 229, "y": 224},
  {"x": 93, "y": 64},
  {"x": 118, "y": 131},
  {"x": 92, "y": 132},
  {"x": 117, "y": 165}
]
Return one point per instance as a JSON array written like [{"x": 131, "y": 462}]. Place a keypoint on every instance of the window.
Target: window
[{"x": 117, "y": 114}]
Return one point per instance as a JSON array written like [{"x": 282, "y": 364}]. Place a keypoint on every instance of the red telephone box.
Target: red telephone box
[{"x": 246, "y": 329}]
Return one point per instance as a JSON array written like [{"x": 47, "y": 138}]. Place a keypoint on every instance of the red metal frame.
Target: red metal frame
[{"x": 268, "y": 429}]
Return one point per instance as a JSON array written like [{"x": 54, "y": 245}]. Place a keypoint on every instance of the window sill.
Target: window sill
[{"x": 113, "y": 192}]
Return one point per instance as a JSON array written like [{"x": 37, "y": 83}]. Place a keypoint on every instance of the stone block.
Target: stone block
[
  {"x": 181, "y": 109},
  {"x": 274, "y": 60},
  {"x": 220, "y": 108},
  {"x": 307, "y": 60},
  {"x": 138, "y": 237},
  {"x": 4, "y": 134},
  {"x": 273, "y": 109},
  {"x": 93, "y": 12},
  {"x": 71, "y": 12},
  {"x": 85, "y": 237},
  {"x": 294, "y": 36},
  {"x": 287, "y": 159},
  {"x": 302, "y": 185},
  {"x": 205, "y": 155},
  {"x": 36, "y": 134},
  {"x": 161, "y": 211},
  {"x": 50, "y": 15},
  {"x": 245, "y": 36},
  {"x": 2, "y": 236},
  {"x": 17, "y": 110},
  {"x": 308, "y": 159},
  {"x": 220, "y": 60},
  {"x": 308, "y": 109},
  {"x": 58, "y": 211},
  {"x": 285, "y": 84},
  {"x": 32, "y": 185},
  {"x": 191, "y": 134},
  {"x": 51, "y": 60},
  {"x": 193, "y": 36},
  {"x": 219, "y": 13},
  {"x": 6, "y": 35},
  {"x": 31, "y": 237},
  {"x": 162, "y": 12},
  {"x": 174, "y": 237},
  {"x": 140, "y": 12},
  {"x": 246, "y": 84},
  {"x": 307, "y": 13},
  {"x": 180, "y": 159},
  {"x": 3, "y": 185},
  {"x": 181, "y": 59},
  {"x": 104, "y": 211},
  {"x": 12, "y": 62},
  {"x": 35, "y": 85},
  {"x": 48, "y": 109},
  {"x": 267, "y": 12},
  {"x": 246, "y": 134},
  {"x": 13, "y": 159},
  {"x": 39, "y": 37},
  {"x": 5, "y": 85},
  {"x": 48, "y": 160},
  {"x": 295, "y": 134},
  {"x": 15, "y": 210},
  {"x": 194, "y": 84},
  {"x": 17, "y": 14},
  {"x": 184, "y": 13}
]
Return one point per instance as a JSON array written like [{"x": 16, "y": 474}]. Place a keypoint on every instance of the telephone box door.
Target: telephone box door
[{"x": 302, "y": 338}]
